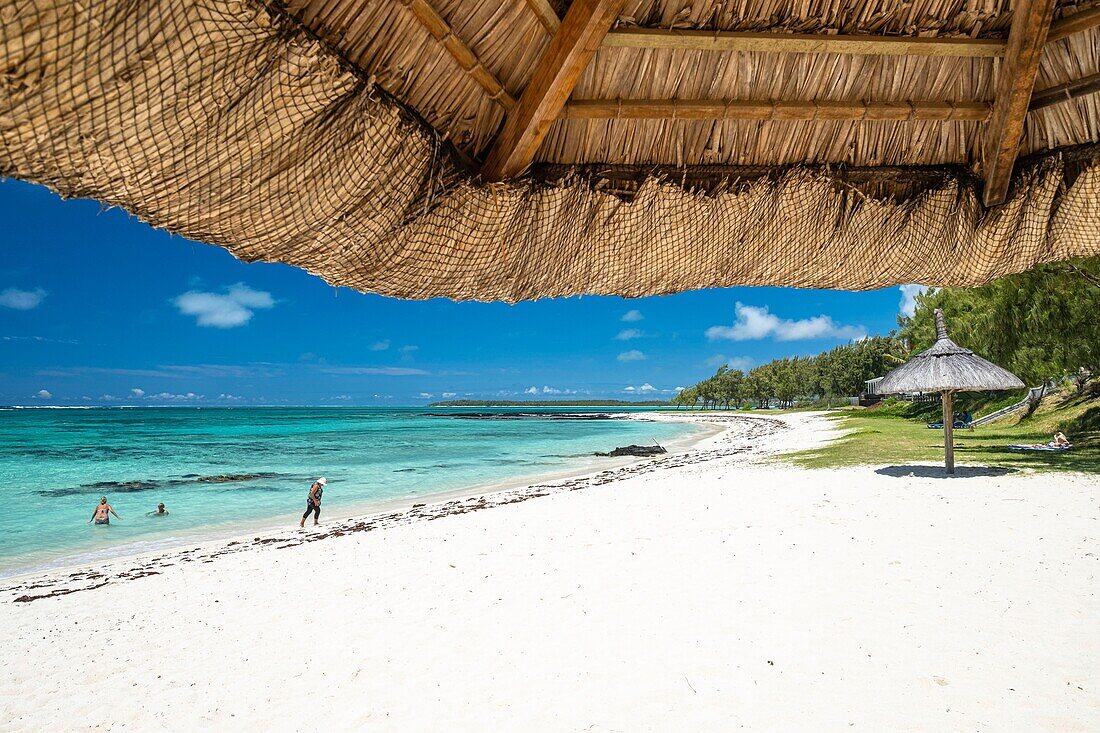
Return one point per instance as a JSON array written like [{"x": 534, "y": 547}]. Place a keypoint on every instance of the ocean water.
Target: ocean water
[{"x": 223, "y": 471}]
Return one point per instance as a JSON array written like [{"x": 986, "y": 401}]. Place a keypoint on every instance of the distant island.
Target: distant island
[{"x": 549, "y": 403}]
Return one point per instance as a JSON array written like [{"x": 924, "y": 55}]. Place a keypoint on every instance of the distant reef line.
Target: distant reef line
[{"x": 549, "y": 403}]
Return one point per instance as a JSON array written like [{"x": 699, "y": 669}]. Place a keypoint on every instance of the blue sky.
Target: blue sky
[{"x": 99, "y": 308}]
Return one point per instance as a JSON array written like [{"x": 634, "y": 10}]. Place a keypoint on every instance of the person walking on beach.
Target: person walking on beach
[
  {"x": 313, "y": 502},
  {"x": 102, "y": 512}
]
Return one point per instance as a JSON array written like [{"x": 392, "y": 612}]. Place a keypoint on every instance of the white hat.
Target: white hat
[{"x": 322, "y": 481}]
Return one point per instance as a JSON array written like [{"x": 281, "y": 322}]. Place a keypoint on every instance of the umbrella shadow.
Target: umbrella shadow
[{"x": 921, "y": 471}]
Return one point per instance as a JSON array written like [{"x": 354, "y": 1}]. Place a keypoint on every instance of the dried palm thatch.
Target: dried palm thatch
[
  {"x": 947, "y": 368},
  {"x": 342, "y": 136}
]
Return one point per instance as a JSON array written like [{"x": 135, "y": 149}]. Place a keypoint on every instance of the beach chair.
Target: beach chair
[
  {"x": 1041, "y": 447},
  {"x": 962, "y": 420}
]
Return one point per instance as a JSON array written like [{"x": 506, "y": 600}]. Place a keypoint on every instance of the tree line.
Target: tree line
[
  {"x": 1042, "y": 325},
  {"x": 837, "y": 373}
]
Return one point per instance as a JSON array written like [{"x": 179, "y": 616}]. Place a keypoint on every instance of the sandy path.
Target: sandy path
[{"x": 712, "y": 595}]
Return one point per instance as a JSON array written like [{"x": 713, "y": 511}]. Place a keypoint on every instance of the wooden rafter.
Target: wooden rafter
[
  {"x": 1001, "y": 141},
  {"x": 628, "y": 178},
  {"x": 580, "y": 34},
  {"x": 1076, "y": 23},
  {"x": 803, "y": 43},
  {"x": 708, "y": 109},
  {"x": 780, "y": 42},
  {"x": 438, "y": 28},
  {"x": 1065, "y": 92},
  {"x": 546, "y": 15}
]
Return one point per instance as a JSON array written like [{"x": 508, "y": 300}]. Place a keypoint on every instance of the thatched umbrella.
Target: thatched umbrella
[{"x": 947, "y": 368}]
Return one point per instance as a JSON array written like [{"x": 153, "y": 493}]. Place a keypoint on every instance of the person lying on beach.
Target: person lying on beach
[
  {"x": 1060, "y": 440},
  {"x": 160, "y": 512},
  {"x": 102, "y": 511},
  {"x": 313, "y": 501}
]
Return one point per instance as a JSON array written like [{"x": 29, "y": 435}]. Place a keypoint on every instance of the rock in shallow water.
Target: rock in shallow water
[{"x": 635, "y": 450}]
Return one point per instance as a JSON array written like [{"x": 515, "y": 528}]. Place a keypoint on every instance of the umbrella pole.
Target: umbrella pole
[{"x": 948, "y": 432}]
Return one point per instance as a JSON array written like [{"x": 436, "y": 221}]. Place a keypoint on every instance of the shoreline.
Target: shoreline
[{"x": 251, "y": 530}]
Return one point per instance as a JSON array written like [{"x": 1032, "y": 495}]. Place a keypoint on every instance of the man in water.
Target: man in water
[
  {"x": 160, "y": 512},
  {"x": 313, "y": 502},
  {"x": 102, "y": 512}
]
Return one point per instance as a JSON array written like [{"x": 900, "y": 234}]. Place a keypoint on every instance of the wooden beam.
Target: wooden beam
[
  {"x": 948, "y": 431},
  {"x": 1016, "y": 81},
  {"x": 546, "y": 15},
  {"x": 1076, "y": 23},
  {"x": 803, "y": 43},
  {"x": 580, "y": 34},
  {"x": 740, "y": 109},
  {"x": 1065, "y": 92},
  {"x": 897, "y": 182},
  {"x": 437, "y": 27}
]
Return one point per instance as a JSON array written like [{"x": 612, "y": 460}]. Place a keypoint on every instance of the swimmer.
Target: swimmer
[
  {"x": 102, "y": 512},
  {"x": 160, "y": 512}
]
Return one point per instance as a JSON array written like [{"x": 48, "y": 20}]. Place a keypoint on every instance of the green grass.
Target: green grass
[{"x": 898, "y": 434}]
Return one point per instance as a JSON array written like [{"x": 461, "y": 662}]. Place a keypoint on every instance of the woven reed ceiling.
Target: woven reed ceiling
[
  {"x": 385, "y": 38},
  {"x": 531, "y": 148}
]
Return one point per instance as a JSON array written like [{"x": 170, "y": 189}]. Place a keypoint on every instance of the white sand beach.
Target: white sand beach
[{"x": 711, "y": 590}]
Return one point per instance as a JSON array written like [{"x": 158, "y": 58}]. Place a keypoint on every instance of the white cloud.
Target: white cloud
[
  {"x": 235, "y": 398},
  {"x": 679, "y": 389},
  {"x": 408, "y": 349},
  {"x": 40, "y": 339},
  {"x": 733, "y": 362},
  {"x": 449, "y": 395},
  {"x": 632, "y": 316},
  {"x": 758, "y": 323},
  {"x": 629, "y": 333},
  {"x": 342, "y": 397},
  {"x": 647, "y": 387},
  {"x": 167, "y": 397},
  {"x": 43, "y": 394},
  {"x": 137, "y": 392},
  {"x": 383, "y": 371},
  {"x": 632, "y": 355},
  {"x": 176, "y": 371},
  {"x": 426, "y": 395},
  {"x": 233, "y": 308},
  {"x": 909, "y": 293},
  {"x": 547, "y": 389},
  {"x": 380, "y": 345},
  {"x": 21, "y": 300},
  {"x": 630, "y": 388}
]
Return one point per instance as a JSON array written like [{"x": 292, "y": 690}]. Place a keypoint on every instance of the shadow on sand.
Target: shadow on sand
[{"x": 918, "y": 471}]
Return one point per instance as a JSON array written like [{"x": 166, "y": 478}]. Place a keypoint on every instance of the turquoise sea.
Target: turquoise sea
[{"x": 225, "y": 471}]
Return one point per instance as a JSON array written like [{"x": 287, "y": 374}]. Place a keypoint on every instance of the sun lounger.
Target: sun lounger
[
  {"x": 1042, "y": 448},
  {"x": 960, "y": 422}
]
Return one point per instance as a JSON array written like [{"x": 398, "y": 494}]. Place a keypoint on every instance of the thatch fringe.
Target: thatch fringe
[{"x": 222, "y": 121}]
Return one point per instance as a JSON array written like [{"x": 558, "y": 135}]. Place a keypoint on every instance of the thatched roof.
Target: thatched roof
[
  {"x": 946, "y": 366},
  {"x": 421, "y": 148}
]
